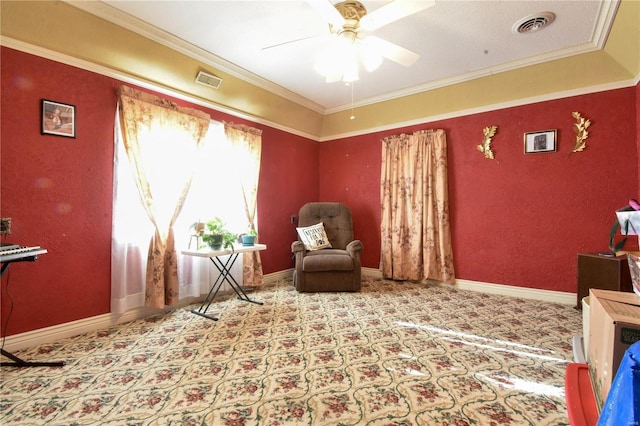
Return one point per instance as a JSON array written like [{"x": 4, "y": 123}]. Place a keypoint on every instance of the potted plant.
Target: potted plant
[
  {"x": 217, "y": 235},
  {"x": 249, "y": 238}
]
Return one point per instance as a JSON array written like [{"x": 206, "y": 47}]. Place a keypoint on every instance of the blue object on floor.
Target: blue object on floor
[{"x": 622, "y": 406}]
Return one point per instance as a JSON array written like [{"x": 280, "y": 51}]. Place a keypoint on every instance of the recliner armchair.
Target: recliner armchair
[{"x": 328, "y": 269}]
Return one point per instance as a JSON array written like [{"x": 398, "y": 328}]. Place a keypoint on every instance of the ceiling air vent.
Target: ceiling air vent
[
  {"x": 208, "y": 80},
  {"x": 533, "y": 23}
]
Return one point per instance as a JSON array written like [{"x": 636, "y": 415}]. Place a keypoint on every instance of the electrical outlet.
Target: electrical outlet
[{"x": 5, "y": 226}]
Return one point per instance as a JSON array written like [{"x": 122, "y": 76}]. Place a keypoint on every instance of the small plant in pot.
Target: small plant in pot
[
  {"x": 217, "y": 236},
  {"x": 249, "y": 238}
]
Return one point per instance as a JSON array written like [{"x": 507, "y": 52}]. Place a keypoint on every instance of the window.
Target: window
[{"x": 212, "y": 194}]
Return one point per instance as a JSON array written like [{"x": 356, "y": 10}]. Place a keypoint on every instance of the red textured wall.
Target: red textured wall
[
  {"x": 520, "y": 219},
  {"x": 58, "y": 191},
  {"x": 350, "y": 174},
  {"x": 288, "y": 180}
]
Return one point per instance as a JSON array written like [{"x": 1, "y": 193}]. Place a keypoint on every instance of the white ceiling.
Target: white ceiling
[{"x": 456, "y": 40}]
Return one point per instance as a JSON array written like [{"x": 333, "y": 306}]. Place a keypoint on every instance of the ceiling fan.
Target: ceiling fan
[{"x": 349, "y": 23}]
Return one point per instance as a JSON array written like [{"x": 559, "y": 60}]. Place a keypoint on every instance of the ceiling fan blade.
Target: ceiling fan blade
[
  {"x": 392, "y": 51},
  {"x": 328, "y": 11},
  {"x": 393, "y": 11},
  {"x": 290, "y": 41}
]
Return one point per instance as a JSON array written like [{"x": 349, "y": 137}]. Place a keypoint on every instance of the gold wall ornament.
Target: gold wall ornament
[
  {"x": 485, "y": 148},
  {"x": 581, "y": 131}
]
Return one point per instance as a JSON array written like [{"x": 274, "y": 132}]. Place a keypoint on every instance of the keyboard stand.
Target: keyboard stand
[{"x": 16, "y": 361}]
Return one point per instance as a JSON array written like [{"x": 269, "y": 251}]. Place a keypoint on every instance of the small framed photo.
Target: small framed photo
[
  {"x": 58, "y": 119},
  {"x": 544, "y": 141}
]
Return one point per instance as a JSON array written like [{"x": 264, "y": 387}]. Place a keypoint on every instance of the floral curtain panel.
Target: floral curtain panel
[
  {"x": 161, "y": 140},
  {"x": 415, "y": 228},
  {"x": 246, "y": 143}
]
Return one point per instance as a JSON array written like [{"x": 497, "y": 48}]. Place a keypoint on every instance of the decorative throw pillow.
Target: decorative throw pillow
[{"x": 314, "y": 237}]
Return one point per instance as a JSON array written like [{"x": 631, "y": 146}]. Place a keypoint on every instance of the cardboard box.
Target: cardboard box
[
  {"x": 614, "y": 325},
  {"x": 586, "y": 317},
  {"x": 634, "y": 269}
]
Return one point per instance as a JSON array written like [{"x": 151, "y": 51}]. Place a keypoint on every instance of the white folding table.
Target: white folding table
[{"x": 224, "y": 267}]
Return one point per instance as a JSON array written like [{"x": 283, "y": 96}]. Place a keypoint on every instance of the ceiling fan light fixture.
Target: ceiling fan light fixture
[
  {"x": 324, "y": 64},
  {"x": 370, "y": 58},
  {"x": 350, "y": 71},
  {"x": 348, "y": 49},
  {"x": 340, "y": 58},
  {"x": 371, "y": 62}
]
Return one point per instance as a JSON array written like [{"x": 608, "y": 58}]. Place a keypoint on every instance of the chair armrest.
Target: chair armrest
[
  {"x": 297, "y": 247},
  {"x": 354, "y": 248}
]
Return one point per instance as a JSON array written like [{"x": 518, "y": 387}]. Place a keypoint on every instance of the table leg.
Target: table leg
[
  {"x": 204, "y": 307},
  {"x": 225, "y": 272},
  {"x": 224, "y": 268}
]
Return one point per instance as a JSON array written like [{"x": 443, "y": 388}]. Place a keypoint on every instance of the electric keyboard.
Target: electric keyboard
[{"x": 13, "y": 252}]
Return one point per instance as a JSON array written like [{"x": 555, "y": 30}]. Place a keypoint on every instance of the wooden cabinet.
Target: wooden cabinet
[{"x": 607, "y": 273}]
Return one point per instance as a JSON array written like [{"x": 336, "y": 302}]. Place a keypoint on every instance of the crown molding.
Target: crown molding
[
  {"x": 488, "y": 108},
  {"x": 606, "y": 16}
]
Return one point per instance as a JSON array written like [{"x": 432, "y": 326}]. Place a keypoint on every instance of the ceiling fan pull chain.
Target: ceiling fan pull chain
[{"x": 353, "y": 117}]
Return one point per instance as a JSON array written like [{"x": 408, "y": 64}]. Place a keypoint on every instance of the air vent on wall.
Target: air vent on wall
[
  {"x": 208, "y": 80},
  {"x": 533, "y": 23}
]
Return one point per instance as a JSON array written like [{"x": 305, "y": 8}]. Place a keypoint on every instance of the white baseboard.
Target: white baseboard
[
  {"x": 278, "y": 276},
  {"x": 81, "y": 326},
  {"x": 371, "y": 272},
  {"x": 86, "y": 325},
  {"x": 561, "y": 297}
]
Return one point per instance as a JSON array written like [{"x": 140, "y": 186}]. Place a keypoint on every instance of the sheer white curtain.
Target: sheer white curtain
[{"x": 212, "y": 194}]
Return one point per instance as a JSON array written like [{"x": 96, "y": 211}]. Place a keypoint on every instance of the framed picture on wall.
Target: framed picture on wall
[
  {"x": 544, "y": 141},
  {"x": 58, "y": 119}
]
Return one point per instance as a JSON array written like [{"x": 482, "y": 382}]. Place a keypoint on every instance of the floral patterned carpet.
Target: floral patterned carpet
[{"x": 394, "y": 354}]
